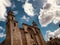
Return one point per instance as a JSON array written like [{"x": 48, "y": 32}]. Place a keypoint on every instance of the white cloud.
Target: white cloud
[
  {"x": 28, "y": 8},
  {"x": 2, "y": 35},
  {"x": 3, "y": 5},
  {"x": 18, "y": 0},
  {"x": 50, "y": 12},
  {"x": 15, "y": 12},
  {"x": 58, "y": 36},
  {"x": 25, "y": 18},
  {"x": 1, "y": 27},
  {"x": 13, "y": 6},
  {"x": 54, "y": 34}
]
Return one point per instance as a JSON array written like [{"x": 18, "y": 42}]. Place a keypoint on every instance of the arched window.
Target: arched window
[
  {"x": 14, "y": 24},
  {"x": 12, "y": 18},
  {"x": 30, "y": 30}
]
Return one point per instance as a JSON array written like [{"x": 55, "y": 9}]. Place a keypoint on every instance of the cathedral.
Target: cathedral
[{"x": 27, "y": 35}]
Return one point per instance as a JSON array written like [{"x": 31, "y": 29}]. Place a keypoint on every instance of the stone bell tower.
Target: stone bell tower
[
  {"x": 12, "y": 30},
  {"x": 39, "y": 36}
]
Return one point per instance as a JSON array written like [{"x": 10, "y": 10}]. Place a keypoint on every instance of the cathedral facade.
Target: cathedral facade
[{"x": 27, "y": 35}]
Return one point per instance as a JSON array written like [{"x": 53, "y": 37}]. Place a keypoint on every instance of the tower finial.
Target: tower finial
[
  {"x": 10, "y": 12},
  {"x": 34, "y": 23}
]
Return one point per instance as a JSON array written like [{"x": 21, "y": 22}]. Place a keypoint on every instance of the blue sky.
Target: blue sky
[{"x": 23, "y": 16}]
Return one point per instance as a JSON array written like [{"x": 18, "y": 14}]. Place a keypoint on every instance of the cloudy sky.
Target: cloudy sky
[{"x": 46, "y": 13}]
